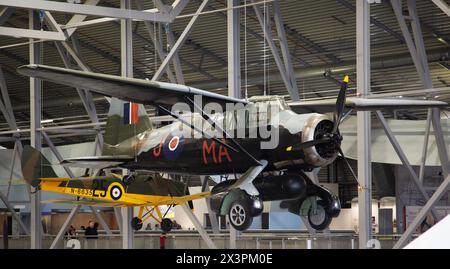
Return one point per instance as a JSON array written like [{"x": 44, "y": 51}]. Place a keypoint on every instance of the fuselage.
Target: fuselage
[{"x": 178, "y": 148}]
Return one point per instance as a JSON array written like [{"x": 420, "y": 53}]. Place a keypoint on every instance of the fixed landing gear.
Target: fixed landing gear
[
  {"x": 318, "y": 216},
  {"x": 166, "y": 224},
  {"x": 239, "y": 215}
]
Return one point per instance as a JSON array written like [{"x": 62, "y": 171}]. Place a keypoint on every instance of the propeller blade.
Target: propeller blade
[
  {"x": 308, "y": 144},
  {"x": 340, "y": 104},
  {"x": 348, "y": 164}
]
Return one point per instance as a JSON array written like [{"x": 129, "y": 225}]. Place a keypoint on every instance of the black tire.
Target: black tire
[
  {"x": 320, "y": 219},
  {"x": 136, "y": 223},
  {"x": 166, "y": 225},
  {"x": 239, "y": 215}
]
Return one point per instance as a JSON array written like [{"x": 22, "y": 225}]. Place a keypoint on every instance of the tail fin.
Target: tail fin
[
  {"x": 125, "y": 121},
  {"x": 35, "y": 166}
]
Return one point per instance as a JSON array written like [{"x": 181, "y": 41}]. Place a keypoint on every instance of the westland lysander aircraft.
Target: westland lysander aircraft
[{"x": 304, "y": 141}]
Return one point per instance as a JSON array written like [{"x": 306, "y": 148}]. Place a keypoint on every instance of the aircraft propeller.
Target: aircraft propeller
[{"x": 334, "y": 135}]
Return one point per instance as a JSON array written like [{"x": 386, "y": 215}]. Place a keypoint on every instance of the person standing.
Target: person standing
[
  {"x": 91, "y": 231},
  {"x": 162, "y": 241}
]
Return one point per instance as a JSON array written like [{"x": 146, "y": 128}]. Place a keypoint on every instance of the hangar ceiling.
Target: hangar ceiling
[{"x": 320, "y": 33}]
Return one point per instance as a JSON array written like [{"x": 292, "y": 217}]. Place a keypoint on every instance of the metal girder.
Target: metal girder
[
  {"x": 403, "y": 158},
  {"x": 5, "y": 13},
  {"x": 443, "y": 6},
  {"x": 14, "y": 214},
  {"x": 234, "y": 49},
  {"x": 212, "y": 216},
  {"x": 151, "y": 15},
  {"x": 64, "y": 227},
  {"x": 126, "y": 57},
  {"x": 179, "y": 42},
  {"x": 363, "y": 123},
  {"x": 100, "y": 219},
  {"x": 415, "y": 47},
  {"x": 36, "y": 139},
  {"x": 198, "y": 226},
  {"x": 440, "y": 191},
  {"x": 281, "y": 67},
  {"x": 176, "y": 58},
  {"x": 79, "y": 18},
  {"x": 374, "y": 21},
  {"x": 284, "y": 47},
  {"x": 34, "y": 34},
  {"x": 157, "y": 45}
]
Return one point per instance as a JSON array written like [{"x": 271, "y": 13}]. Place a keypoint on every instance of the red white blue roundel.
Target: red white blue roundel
[{"x": 173, "y": 145}]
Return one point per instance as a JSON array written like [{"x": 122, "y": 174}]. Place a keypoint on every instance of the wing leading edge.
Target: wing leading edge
[
  {"x": 365, "y": 104},
  {"x": 128, "y": 89}
]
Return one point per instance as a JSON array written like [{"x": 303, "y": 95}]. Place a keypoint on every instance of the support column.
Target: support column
[
  {"x": 234, "y": 54},
  {"x": 363, "y": 122},
  {"x": 35, "y": 135},
  {"x": 126, "y": 48}
]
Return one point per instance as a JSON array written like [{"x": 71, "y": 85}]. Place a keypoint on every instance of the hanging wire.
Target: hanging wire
[
  {"x": 264, "y": 49},
  {"x": 245, "y": 50}
]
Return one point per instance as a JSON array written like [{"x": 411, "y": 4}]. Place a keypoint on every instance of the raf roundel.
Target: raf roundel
[
  {"x": 115, "y": 192},
  {"x": 173, "y": 146},
  {"x": 173, "y": 143}
]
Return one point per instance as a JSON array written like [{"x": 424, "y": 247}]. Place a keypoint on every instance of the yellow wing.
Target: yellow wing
[
  {"x": 179, "y": 200},
  {"x": 83, "y": 202}
]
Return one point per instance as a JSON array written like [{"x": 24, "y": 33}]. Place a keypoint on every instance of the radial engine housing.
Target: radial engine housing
[{"x": 316, "y": 127}]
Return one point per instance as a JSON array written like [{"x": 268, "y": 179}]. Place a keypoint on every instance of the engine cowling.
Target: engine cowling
[{"x": 316, "y": 127}]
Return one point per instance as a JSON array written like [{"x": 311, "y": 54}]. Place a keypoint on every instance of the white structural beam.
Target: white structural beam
[
  {"x": 442, "y": 5},
  {"x": 440, "y": 191},
  {"x": 64, "y": 227},
  {"x": 79, "y": 18},
  {"x": 285, "y": 50},
  {"x": 198, "y": 226},
  {"x": 126, "y": 58},
  {"x": 5, "y": 13},
  {"x": 403, "y": 157},
  {"x": 35, "y": 139},
  {"x": 179, "y": 42},
  {"x": 34, "y": 34},
  {"x": 150, "y": 15},
  {"x": 363, "y": 122},
  {"x": 157, "y": 44},
  {"x": 234, "y": 49},
  {"x": 265, "y": 25}
]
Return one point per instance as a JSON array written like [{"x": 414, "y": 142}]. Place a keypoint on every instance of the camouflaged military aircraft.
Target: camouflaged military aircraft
[{"x": 304, "y": 142}]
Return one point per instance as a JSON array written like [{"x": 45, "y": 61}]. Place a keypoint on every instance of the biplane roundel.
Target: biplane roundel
[
  {"x": 173, "y": 145},
  {"x": 115, "y": 191}
]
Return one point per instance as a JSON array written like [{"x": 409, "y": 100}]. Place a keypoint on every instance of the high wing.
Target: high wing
[
  {"x": 97, "y": 162},
  {"x": 128, "y": 89},
  {"x": 364, "y": 104},
  {"x": 83, "y": 202},
  {"x": 134, "y": 202}
]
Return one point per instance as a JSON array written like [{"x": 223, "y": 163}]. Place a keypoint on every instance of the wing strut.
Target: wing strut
[
  {"x": 224, "y": 132},
  {"x": 195, "y": 128}
]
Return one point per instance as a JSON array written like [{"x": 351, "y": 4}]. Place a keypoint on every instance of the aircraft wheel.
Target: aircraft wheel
[
  {"x": 136, "y": 223},
  {"x": 239, "y": 215},
  {"x": 320, "y": 219},
  {"x": 166, "y": 225}
]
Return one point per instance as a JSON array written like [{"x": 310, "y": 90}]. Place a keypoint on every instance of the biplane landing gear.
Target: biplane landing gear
[{"x": 136, "y": 223}]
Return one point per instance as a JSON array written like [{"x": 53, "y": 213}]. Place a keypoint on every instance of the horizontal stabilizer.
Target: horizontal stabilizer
[
  {"x": 99, "y": 162},
  {"x": 364, "y": 104}
]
